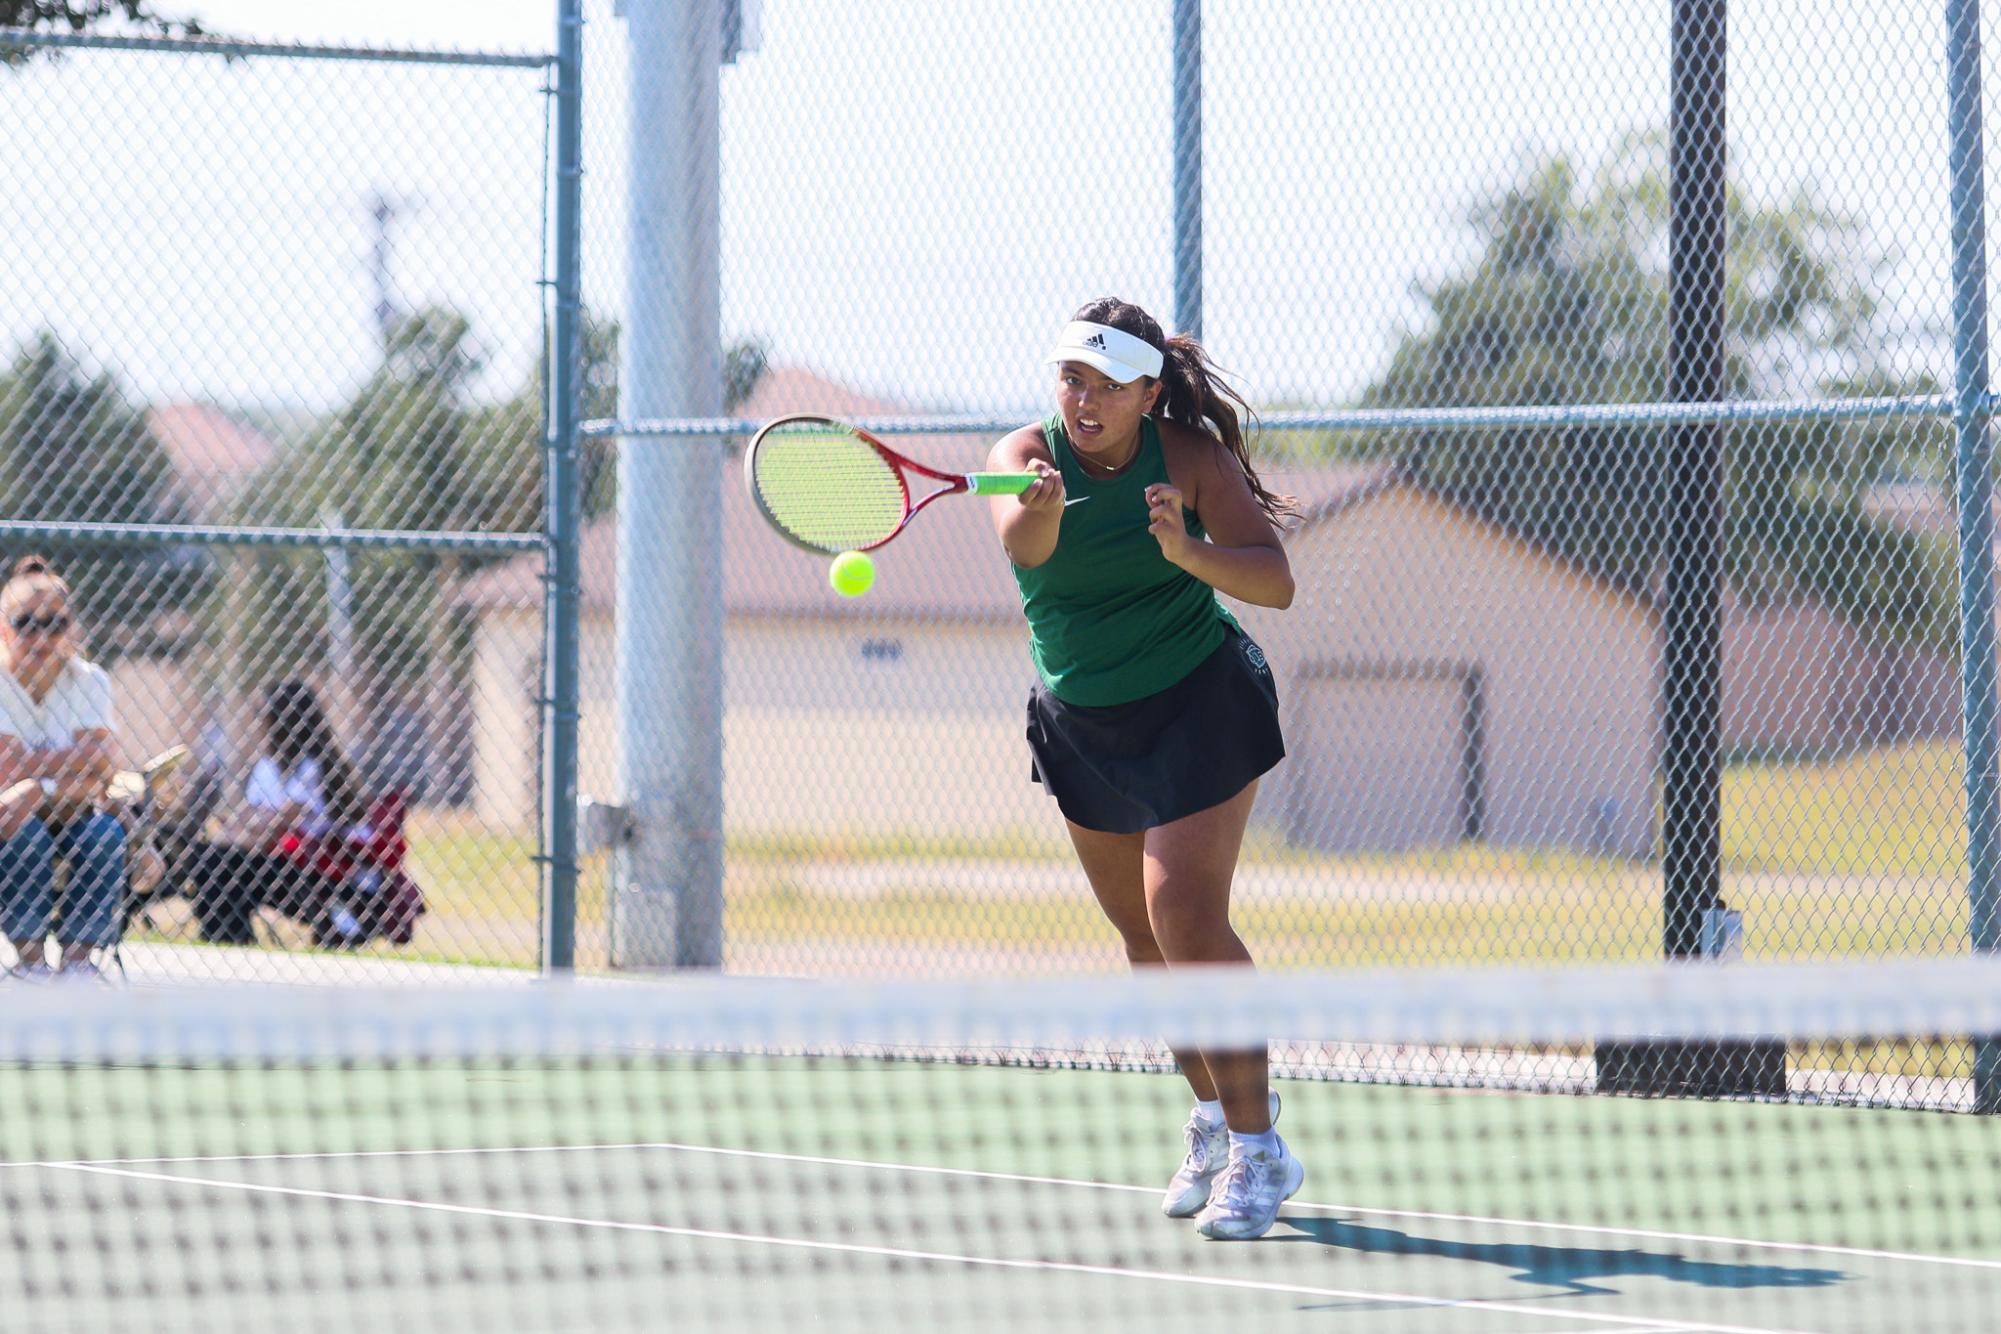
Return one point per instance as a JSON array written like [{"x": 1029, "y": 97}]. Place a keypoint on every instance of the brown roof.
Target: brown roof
[
  {"x": 1373, "y": 479},
  {"x": 946, "y": 566},
  {"x": 213, "y": 454},
  {"x": 1319, "y": 489},
  {"x": 783, "y": 390},
  {"x": 1924, "y": 509}
]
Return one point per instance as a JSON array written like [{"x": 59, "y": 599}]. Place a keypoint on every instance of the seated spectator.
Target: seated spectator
[
  {"x": 56, "y": 755},
  {"x": 301, "y": 785}
]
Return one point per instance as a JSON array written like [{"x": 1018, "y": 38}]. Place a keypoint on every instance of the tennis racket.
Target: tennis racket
[{"x": 831, "y": 487}]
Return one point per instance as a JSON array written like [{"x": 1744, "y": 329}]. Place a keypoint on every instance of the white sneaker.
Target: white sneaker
[
  {"x": 31, "y": 972},
  {"x": 1208, "y": 1155},
  {"x": 1246, "y": 1199}
]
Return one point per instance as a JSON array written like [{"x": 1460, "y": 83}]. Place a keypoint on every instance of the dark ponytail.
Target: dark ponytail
[{"x": 1194, "y": 393}]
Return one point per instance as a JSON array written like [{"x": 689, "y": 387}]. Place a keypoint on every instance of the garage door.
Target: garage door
[{"x": 1380, "y": 762}]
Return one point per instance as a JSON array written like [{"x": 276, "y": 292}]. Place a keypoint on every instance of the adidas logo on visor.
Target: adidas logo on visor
[{"x": 1097, "y": 341}]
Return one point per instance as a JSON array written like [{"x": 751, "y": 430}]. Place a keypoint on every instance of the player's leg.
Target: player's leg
[
  {"x": 1187, "y": 870},
  {"x": 1189, "y": 866},
  {"x": 1114, "y": 864}
]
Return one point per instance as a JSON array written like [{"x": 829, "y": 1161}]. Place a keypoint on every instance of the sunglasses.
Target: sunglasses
[{"x": 27, "y": 623}]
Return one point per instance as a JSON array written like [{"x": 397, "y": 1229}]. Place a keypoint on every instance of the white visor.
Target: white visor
[{"x": 1113, "y": 351}]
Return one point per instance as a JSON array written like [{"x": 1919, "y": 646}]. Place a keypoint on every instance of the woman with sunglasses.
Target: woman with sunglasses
[{"x": 56, "y": 749}]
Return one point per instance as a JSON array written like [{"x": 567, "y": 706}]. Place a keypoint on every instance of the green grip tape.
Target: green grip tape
[{"x": 1001, "y": 483}]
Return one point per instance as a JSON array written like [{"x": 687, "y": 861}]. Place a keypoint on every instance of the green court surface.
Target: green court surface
[{"x": 657, "y": 1193}]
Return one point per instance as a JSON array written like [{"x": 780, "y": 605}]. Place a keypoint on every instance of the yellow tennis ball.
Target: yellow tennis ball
[{"x": 851, "y": 574}]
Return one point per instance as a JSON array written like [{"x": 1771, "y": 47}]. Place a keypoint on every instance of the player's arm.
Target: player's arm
[
  {"x": 1243, "y": 556},
  {"x": 1027, "y": 523}
]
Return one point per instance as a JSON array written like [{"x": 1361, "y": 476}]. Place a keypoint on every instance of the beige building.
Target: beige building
[
  {"x": 897, "y": 712},
  {"x": 1442, "y": 678}
]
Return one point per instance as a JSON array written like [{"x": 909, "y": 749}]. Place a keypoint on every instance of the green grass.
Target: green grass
[
  {"x": 1847, "y": 856},
  {"x": 1897, "y": 811}
]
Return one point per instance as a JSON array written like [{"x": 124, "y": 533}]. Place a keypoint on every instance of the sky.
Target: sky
[
  {"x": 915, "y": 194},
  {"x": 498, "y": 25}
]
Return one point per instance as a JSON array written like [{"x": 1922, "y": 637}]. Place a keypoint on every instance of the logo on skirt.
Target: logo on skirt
[{"x": 1255, "y": 656}]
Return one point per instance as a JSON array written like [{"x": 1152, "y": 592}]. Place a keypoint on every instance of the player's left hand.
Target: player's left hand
[{"x": 1164, "y": 521}]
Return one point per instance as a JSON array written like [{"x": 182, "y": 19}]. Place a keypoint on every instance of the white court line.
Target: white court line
[
  {"x": 1625, "y": 1324},
  {"x": 1703, "y": 1238}
]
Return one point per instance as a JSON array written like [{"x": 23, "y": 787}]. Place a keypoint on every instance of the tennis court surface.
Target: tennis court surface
[{"x": 737, "y": 1155}]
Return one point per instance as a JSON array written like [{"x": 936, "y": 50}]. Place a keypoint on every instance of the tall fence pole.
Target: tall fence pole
[
  {"x": 1692, "y": 619},
  {"x": 1975, "y": 485},
  {"x": 667, "y": 903},
  {"x": 565, "y": 506},
  {"x": 1691, "y": 784},
  {"x": 1188, "y": 167}
]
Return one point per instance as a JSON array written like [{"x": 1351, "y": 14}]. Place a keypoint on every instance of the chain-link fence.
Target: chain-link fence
[
  {"x": 279, "y": 314},
  {"x": 1438, "y": 246},
  {"x": 273, "y": 406}
]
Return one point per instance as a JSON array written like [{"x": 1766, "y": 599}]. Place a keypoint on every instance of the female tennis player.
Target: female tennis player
[{"x": 1155, "y": 714}]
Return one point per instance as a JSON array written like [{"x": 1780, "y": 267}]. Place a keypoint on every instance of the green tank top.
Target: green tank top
[{"x": 1110, "y": 620}]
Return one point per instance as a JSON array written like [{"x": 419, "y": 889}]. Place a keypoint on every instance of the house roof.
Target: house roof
[
  {"x": 1373, "y": 479},
  {"x": 1923, "y": 509},
  {"x": 783, "y": 390},
  {"x": 946, "y": 566},
  {"x": 213, "y": 454}
]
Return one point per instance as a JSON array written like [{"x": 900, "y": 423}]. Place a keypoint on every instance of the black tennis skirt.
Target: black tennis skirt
[{"x": 1130, "y": 767}]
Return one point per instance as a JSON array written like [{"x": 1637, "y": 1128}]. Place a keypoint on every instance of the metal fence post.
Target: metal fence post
[
  {"x": 667, "y": 897},
  {"x": 1974, "y": 464},
  {"x": 1188, "y": 167},
  {"x": 565, "y": 507}
]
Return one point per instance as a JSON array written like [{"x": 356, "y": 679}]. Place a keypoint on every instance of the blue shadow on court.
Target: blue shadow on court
[{"x": 1557, "y": 1266}]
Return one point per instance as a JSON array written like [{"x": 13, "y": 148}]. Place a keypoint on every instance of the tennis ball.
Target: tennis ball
[{"x": 851, "y": 574}]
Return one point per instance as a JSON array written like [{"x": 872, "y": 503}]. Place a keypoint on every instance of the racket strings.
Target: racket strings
[{"x": 827, "y": 488}]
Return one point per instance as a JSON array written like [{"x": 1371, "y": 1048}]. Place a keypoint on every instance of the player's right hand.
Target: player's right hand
[{"x": 1047, "y": 493}]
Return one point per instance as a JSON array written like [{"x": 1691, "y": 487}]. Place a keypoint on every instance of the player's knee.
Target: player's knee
[
  {"x": 1186, "y": 925},
  {"x": 1142, "y": 950}
]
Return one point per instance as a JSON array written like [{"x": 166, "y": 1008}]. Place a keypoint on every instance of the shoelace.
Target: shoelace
[
  {"x": 1198, "y": 1146},
  {"x": 1244, "y": 1177}
]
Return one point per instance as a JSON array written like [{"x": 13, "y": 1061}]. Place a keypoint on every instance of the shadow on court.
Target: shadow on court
[{"x": 1559, "y": 1266}]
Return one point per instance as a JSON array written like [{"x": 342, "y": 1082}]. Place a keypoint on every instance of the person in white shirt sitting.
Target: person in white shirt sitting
[
  {"x": 301, "y": 787},
  {"x": 56, "y": 756}
]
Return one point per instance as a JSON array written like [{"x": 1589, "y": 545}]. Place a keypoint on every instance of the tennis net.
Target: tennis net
[{"x": 738, "y": 1154}]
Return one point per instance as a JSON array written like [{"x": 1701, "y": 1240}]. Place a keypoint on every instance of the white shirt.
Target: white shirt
[
  {"x": 79, "y": 701},
  {"x": 270, "y": 788}
]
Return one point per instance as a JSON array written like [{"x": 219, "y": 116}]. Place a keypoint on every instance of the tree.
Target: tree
[
  {"x": 72, "y": 448},
  {"x": 412, "y": 450},
  {"x": 1566, "y": 303},
  {"x": 83, "y": 15},
  {"x": 513, "y": 430}
]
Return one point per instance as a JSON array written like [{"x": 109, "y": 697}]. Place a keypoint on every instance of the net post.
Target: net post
[{"x": 1975, "y": 489}]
